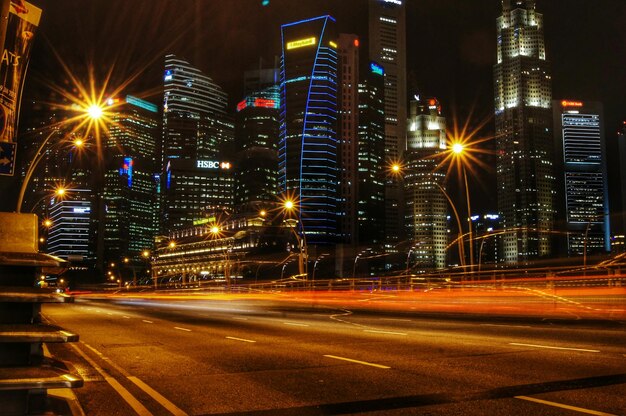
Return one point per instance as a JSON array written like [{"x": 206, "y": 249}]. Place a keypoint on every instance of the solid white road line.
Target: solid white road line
[
  {"x": 175, "y": 410},
  {"x": 357, "y": 361},
  {"x": 507, "y": 326},
  {"x": 564, "y": 406},
  {"x": 294, "y": 324},
  {"x": 241, "y": 339},
  {"x": 139, "y": 408},
  {"x": 384, "y": 332},
  {"x": 552, "y": 348},
  {"x": 139, "y": 383},
  {"x": 182, "y": 329}
]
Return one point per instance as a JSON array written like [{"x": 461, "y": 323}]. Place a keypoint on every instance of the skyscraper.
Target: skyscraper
[
  {"x": 256, "y": 139},
  {"x": 308, "y": 135},
  {"x": 387, "y": 46},
  {"x": 580, "y": 163},
  {"x": 426, "y": 209},
  {"x": 371, "y": 170},
  {"x": 196, "y": 176},
  {"x": 130, "y": 188},
  {"x": 523, "y": 115},
  {"x": 348, "y": 135}
]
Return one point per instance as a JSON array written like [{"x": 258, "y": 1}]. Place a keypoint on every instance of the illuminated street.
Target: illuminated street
[{"x": 337, "y": 353}]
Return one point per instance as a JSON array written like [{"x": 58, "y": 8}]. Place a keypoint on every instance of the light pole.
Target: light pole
[
  {"x": 290, "y": 207},
  {"x": 320, "y": 257},
  {"x": 215, "y": 233},
  {"x": 457, "y": 149}
]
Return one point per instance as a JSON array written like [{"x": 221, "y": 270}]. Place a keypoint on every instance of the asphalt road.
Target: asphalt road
[{"x": 264, "y": 357}]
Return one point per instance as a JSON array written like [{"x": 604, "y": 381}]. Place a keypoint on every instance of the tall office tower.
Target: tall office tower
[
  {"x": 308, "y": 116},
  {"x": 195, "y": 132},
  {"x": 580, "y": 163},
  {"x": 347, "y": 133},
  {"x": 426, "y": 208},
  {"x": 387, "y": 46},
  {"x": 523, "y": 114},
  {"x": 619, "y": 241},
  {"x": 256, "y": 140},
  {"x": 371, "y": 157},
  {"x": 130, "y": 209},
  {"x": 73, "y": 226}
]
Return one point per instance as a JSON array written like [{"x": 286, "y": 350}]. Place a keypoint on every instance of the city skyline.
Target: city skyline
[{"x": 451, "y": 49}]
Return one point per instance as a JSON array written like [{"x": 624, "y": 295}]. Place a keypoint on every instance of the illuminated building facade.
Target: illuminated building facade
[
  {"x": 196, "y": 130},
  {"x": 580, "y": 160},
  {"x": 308, "y": 135},
  {"x": 348, "y": 135},
  {"x": 523, "y": 116},
  {"x": 256, "y": 140},
  {"x": 619, "y": 238},
  {"x": 387, "y": 46},
  {"x": 71, "y": 235},
  {"x": 371, "y": 169},
  {"x": 130, "y": 220},
  {"x": 426, "y": 208}
]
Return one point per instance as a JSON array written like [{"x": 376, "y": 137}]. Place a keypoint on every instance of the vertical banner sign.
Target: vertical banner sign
[{"x": 21, "y": 25}]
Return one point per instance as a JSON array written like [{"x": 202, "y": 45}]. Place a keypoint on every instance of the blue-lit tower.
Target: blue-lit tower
[{"x": 308, "y": 124}]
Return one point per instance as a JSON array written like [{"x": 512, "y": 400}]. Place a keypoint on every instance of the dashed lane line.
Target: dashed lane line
[
  {"x": 294, "y": 324},
  {"x": 358, "y": 362},
  {"x": 564, "y": 406},
  {"x": 384, "y": 332},
  {"x": 241, "y": 339},
  {"x": 182, "y": 329},
  {"x": 146, "y": 321},
  {"x": 552, "y": 348}
]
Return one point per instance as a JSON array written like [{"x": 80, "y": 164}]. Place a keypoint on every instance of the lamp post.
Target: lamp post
[
  {"x": 320, "y": 257},
  {"x": 458, "y": 150},
  {"x": 92, "y": 112},
  {"x": 290, "y": 207},
  {"x": 215, "y": 233}
]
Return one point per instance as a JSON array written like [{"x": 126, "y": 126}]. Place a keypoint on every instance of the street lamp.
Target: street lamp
[
  {"x": 458, "y": 152},
  {"x": 320, "y": 257},
  {"x": 91, "y": 113},
  {"x": 215, "y": 231},
  {"x": 290, "y": 206}
]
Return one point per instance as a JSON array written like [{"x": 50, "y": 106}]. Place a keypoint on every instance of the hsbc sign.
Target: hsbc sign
[{"x": 212, "y": 164}]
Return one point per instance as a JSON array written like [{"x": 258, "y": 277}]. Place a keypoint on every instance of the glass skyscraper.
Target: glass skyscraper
[
  {"x": 308, "y": 124},
  {"x": 196, "y": 130},
  {"x": 580, "y": 155},
  {"x": 523, "y": 116},
  {"x": 426, "y": 209},
  {"x": 387, "y": 46},
  {"x": 130, "y": 189}
]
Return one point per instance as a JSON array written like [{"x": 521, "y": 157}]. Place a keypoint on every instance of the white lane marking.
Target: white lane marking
[
  {"x": 139, "y": 408},
  {"x": 126, "y": 317},
  {"x": 294, "y": 324},
  {"x": 241, "y": 339},
  {"x": 240, "y": 319},
  {"x": 384, "y": 332},
  {"x": 357, "y": 361},
  {"x": 395, "y": 319},
  {"x": 507, "y": 326},
  {"x": 109, "y": 313},
  {"x": 182, "y": 329},
  {"x": 564, "y": 406},
  {"x": 175, "y": 410},
  {"x": 148, "y": 322},
  {"x": 143, "y": 386},
  {"x": 552, "y": 348}
]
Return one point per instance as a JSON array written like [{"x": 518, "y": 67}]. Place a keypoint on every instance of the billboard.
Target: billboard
[{"x": 20, "y": 31}]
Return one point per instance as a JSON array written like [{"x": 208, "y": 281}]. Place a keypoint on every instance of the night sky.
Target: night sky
[{"x": 451, "y": 47}]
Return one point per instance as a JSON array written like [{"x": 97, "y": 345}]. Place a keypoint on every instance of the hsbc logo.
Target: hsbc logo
[{"x": 212, "y": 164}]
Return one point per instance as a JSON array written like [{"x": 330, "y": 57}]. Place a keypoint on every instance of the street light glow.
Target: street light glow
[
  {"x": 94, "y": 111},
  {"x": 457, "y": 148},
  {"x": 289, "y": 204}
]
